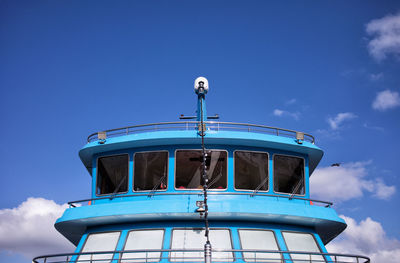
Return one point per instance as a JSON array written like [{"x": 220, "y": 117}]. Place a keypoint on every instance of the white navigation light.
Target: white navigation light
[{"x": 201, "y": 85}]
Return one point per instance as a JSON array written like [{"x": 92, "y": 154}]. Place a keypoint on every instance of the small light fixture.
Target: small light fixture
[
  {"x": 300, "y": 137},
  {"x": 102, "y": 136},
  {"x": 200, "y": 209}
]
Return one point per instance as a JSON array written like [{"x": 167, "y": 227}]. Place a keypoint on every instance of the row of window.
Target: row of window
[
  {"x": 150, "y": 171},
  {"x": 194, "y": 239}
]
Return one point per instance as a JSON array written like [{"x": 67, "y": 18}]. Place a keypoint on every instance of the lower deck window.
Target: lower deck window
[
  {"x": 194, "y": 239},
  {"x": 99, "y": 242},
  {"x": 188, "y": 169},
  {"x": 251, "y": 170},
  {"x": 112, "y": 174},
  {"x": 302, "y": 242},
  {"x": 258, "y": 239},
  {"x": 143, "y": 240},
  {"x": 288, "y": 174},
  {"x": 150, "y": 172}
]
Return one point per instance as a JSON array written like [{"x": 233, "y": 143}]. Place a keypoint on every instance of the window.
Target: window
[
  {"x": 143, "y": 240},
  {"x": 188, "y": 174},
  {"x": 99, "y": 242},
  {"x": 303, "y": 242},
  {"x": 150, "y": 172},
  {"x": 288, "y": 174},
  {"x": 251, "y": 170},
  {"x": 112, "y": 174},
  {"x": 258, "y": 239},
  {"x": 195, "y": 239}
]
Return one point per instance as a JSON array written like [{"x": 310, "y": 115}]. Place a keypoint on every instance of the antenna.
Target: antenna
[{"x": 201, "y": 89}]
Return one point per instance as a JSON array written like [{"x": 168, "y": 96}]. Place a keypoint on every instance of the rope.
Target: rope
[{"x": 205, "y": 177}]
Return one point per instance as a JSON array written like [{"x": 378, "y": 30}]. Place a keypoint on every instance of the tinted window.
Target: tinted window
[
  {"x": 195, "y": 239},
  {"x": 99, "y": 242},
  {"x": 189, "y": 169},
  {"x": 150, "y": 171},
  {"x": 304, "y": 242},
  {"x": 251, "y": 170},
  {"x": 288, "y": 174},
  {"x": 112, "y": 174},
  {"x": 258, "y": 239},
  {"x": 143, "y": 240}
]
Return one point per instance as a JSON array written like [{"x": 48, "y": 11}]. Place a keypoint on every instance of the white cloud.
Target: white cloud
[
  {"x": 29, "y": 229},
  {"x": 382, "y": 191},
  {"x": 291, "y": 101},
  {"x": 282, "y": 113},
  {"x": 376, "y": 128},
  {"x": 366, "y": 238},
  {"x": 335, "y": 122},
  {"x": 376, "y": 77},
  {"x": 385, "y": 33},
  {"x": 385, "y": 100},
  {"x": 278, "y": 112},
  {"x": 348, "y": 181}
]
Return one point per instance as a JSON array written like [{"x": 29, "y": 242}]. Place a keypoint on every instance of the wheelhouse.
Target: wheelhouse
[{"x": 161, "y": 191}]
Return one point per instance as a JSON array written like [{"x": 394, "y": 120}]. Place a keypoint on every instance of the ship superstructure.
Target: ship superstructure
[{"x": 159, "y": 188}]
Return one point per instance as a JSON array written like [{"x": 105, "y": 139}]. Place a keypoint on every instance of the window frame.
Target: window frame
[
  {"x": 193, "y": 189},
  {"x": 97, "y": 173},
  {"x": 310, "y": 233},
  {"x": 202, "y": 229},
  {"x": 145, "y": 229},
  {"x": 102, "y": 232},
  {"x": 234, "y": 173},
  {"x": 133, "y": 172},
  {"x": 258, "y": 229},
  {"x": 273, "y": 174}
]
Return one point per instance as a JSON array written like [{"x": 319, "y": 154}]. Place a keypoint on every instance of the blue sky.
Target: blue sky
[{"x": 70, "y": 68}]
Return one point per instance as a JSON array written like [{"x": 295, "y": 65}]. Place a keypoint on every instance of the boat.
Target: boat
[{"x": 200, "y": 190}]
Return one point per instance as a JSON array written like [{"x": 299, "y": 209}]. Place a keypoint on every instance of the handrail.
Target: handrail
[
  {"x": 251, "y": 194},
  {"x": 237, "y": 255},
  {"x": 189, "y": 125}
]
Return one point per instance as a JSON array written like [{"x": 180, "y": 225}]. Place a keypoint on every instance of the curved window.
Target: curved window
[
  {"x": 251, "y": 170},
  {"x": 303, "y": 242},
  {"x": 143, "y": 240},
  {"x": 289, "y": 174},
  {"x": 188, "y": 169},
  {"x": 194, "y": 239},
  {"x": 150, "y": 172},
  {"x": 99, "y": 242},
  {"x": 259, "y": 239},
  {"x": 112, "y": 174}
]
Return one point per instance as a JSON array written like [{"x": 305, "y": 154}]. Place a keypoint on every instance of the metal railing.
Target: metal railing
[
  {"x": 197, "y": 255},
  {"x": 200, "y": 194},
  {"x": 193, "y": 125}
]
